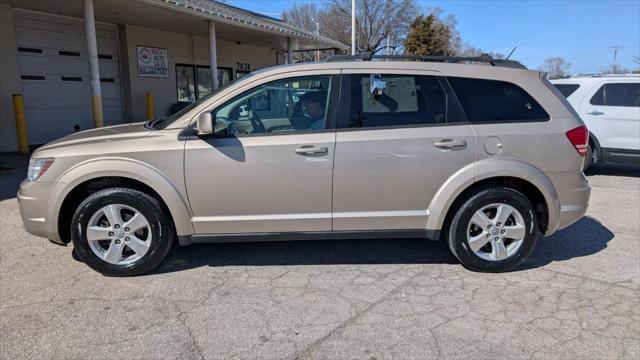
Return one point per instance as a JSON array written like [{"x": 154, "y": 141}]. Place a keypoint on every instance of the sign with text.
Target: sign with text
[{"x": 153, "y": 62}]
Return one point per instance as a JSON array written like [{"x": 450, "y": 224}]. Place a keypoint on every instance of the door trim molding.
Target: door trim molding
[
  {"x": 322, "y": 215},
  {"x": 309, "y": 235}
]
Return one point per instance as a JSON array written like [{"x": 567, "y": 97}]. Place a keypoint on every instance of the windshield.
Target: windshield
[{"x": 163, "y": 122}]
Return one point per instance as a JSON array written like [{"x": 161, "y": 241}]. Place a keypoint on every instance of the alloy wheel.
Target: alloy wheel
[
  {"x": 119, "y": 234},
  {"x": 496, "y": 232}
]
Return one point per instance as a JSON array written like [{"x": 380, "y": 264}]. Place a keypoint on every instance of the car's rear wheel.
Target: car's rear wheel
[
  {"x": 121, "y": 232},
  {"x": 493, "y": 230}
]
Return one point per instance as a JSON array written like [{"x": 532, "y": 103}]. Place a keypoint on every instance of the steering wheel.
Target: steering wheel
[
  {"x": 225, "y": 126},
  {"x": 258, "y": 126}
]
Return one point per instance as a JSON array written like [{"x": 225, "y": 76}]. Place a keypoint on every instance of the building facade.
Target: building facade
[{"x": 158, "y": 47}]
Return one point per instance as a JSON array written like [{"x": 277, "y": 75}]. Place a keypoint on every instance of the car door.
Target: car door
[
  {"x": 612, "y": 112},
  {"x": 268, "y": 166},
  {"x": 395, "y": 149}
]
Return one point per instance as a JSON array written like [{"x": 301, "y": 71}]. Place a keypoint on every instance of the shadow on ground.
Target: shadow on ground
[
  {"x": 615, "y": 170},
  {"x": 584, "y": 238},
  {"x": 13, "y": 169}
]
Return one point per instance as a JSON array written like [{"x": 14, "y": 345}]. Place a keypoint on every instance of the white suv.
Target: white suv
[{"x": 610, "y": 107}]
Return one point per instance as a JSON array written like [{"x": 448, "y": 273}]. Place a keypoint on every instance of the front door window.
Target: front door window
[{"x": 294, "y": 104}]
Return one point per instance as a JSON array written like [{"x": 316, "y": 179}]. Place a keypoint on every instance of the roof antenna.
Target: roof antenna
[{"x": 511, "y": 53}]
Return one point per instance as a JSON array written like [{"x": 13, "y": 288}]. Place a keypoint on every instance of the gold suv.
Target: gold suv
[{"x": 481, "y": 153}]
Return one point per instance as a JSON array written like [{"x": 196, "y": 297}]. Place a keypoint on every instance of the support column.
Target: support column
[
  {"x": 213, "y": 55},
  {"x": 289, "y": 50},
  {"x": 94, "y": 69}
]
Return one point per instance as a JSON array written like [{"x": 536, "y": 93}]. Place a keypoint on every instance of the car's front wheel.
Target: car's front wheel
[
  {"x": 121, "y": 232},
  {"x": 493, "y": 230}
]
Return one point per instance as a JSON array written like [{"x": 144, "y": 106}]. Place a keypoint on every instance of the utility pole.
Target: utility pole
[
  {"x": 317, "y": 33},
  {"x": 353, "y": 27},
  {"x": 386, "y": 50},
  {"x": 615, "y": 49}
]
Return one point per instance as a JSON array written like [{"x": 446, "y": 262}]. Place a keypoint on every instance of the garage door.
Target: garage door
[{"x": 54, "y": 74}]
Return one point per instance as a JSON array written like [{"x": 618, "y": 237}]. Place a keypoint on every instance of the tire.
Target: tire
[
  {"x": 588, "y": 158},
  {"x": 152, "y": 237},
  {"x": 492, "y": 257}
]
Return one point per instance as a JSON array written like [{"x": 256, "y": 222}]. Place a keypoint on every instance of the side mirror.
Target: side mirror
[{"x": 204, "y": 124}]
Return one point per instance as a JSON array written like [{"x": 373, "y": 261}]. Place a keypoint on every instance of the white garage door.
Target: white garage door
[{"x": 54, "y": 73}]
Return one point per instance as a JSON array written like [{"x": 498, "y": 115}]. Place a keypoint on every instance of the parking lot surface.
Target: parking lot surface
[{"x": 578, "y": 296}]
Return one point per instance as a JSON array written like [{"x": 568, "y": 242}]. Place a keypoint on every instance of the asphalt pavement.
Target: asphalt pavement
[{"x": 578, "y": 296}]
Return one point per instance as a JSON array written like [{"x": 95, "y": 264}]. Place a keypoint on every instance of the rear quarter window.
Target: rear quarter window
[
  {"x": 494, "y": 101},
  {"x": 567, "y": 89}
]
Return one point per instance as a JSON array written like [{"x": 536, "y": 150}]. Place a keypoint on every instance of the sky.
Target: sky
[{"x": 582, "y": 32}]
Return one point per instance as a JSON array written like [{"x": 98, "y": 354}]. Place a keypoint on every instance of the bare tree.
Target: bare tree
[
  {"x": 304, "y": 15},
  {"x": 312, "y": 18},
  {"x": 636, "y": 59},
  {"x": 555, "y": 67},
  {"x": 377, "y": 21},
  {"x": 617, "y": 69},
  {"x": 382, "y": 25},
  {"x": 466, "y": 49}
]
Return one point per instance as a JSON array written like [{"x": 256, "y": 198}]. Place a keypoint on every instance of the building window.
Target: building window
[
  {"x": 195, "y": 82},
  {"x": 240, "y": 74},
  {"x": 185, "y": 83},
  {"x": 203, "y": 79},
  {"x": 224, "y": 76}
]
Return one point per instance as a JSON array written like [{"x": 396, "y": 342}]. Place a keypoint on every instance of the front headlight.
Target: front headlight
[{"x": 37, "y": 167}]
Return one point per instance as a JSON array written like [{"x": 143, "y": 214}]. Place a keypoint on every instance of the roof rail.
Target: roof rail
[{"x": 484, "y": 58}]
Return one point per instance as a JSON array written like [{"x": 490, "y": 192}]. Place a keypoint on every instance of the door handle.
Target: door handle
[
  {"x": 311, "y": 149},
  {"x": 448, "y": 144},
  {"x": 595, "y": 112}
]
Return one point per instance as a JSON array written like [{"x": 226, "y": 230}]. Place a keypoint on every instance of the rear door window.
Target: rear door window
[
  {"x": 406, "y": 100},
  {"x": 493, "y": 101},
  {"x": 567, "y": 89},
  {"x": 619, "y": 94}
]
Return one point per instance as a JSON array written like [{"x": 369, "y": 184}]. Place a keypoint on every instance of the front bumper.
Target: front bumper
[{"x": 32, "y": 201}]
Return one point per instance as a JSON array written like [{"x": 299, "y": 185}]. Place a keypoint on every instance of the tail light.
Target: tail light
[{"x": 579, "y": 138}]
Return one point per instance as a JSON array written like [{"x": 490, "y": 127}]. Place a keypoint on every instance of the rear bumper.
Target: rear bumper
[
  {"x": 32, "y": 201},
  {"x": 574, "y": 192}
]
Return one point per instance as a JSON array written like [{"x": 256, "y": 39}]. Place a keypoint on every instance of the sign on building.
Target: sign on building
[{"x": 153, "y": 62}]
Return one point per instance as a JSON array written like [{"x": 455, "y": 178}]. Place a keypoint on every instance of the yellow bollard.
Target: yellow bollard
[
  {"x": 21, "y": 124},
  {"x": 149, "y": 97},
  {"x": 98, "y": 117}
]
